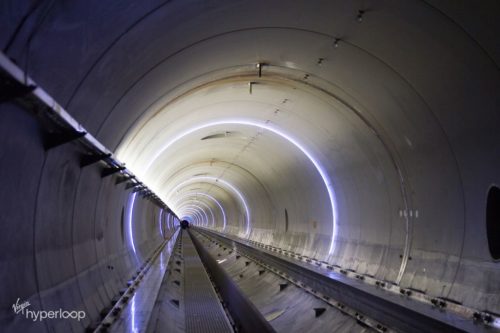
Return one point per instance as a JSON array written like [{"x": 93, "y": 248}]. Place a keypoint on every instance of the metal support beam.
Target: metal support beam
[
  {"x": 90, "y": 159},
  {"x": 110, "y": 171},
  {"x": 124, "y": 179},
  {"x": 11, "y": 89},
  {"x": 52, "y": 140},
  {"x": 132, "y": 185},
  {"x": 60, "y": 126},
  {"x": 138, "y": 189}
]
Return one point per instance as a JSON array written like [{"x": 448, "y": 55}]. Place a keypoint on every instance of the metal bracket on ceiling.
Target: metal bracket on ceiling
[
  {"x": 110, "y": 171},
  {"x": 139, "y": 188},
  {"x": 318, "y": 312},
  {"x": 90, "y": 159},
  {"x": 133, "y": 185},
  {"x": 59, "y": 126},
  {"x": 12, "y": 89},
  {"x": 124, "y": 179},
  {"x": 55, "y": 139},
  {"x": 259, "y": 66}
]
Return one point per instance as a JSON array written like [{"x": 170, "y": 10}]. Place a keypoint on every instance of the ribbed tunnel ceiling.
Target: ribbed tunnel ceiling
[
  {"x": 367, "y": 138},
  {"x": 360, "y": 94}
]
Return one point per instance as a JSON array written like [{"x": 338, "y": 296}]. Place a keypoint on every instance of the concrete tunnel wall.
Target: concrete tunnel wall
[
  {"x": 402, "y": 113},
  {"x": 65, "y": 240}
]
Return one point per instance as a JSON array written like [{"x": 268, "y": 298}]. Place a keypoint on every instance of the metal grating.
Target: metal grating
[{"x": 204, "y": 312}]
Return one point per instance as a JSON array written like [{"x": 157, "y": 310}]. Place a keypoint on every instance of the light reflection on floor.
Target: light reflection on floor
[{"x": 135, "y": 317}]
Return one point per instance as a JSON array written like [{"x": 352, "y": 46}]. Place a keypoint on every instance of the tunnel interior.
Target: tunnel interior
[{"x": 363, "y": 134}]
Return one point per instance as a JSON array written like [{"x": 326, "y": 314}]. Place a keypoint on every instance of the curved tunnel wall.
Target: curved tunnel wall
[
  {"x": 400, "y": 108},
  {"x": 66, "y": 240}
]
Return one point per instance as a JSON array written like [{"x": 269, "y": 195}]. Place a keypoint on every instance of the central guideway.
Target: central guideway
[{"x": 204, "y": 312}]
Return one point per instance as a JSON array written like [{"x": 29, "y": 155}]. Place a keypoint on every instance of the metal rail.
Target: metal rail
[
  {"x": 395, "y": 311},
  {"x": 121, "y": 303},
  {"x": 204, "y": 312},
  {"x": 245, "y": 315}
]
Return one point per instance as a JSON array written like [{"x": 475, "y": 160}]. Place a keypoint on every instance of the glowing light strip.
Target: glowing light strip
[
  {"x": 188, "y": 218},
  {"x": 211, "y": 198},
  {"x": 192, "y": 213},
  {"x": 183, "y": 208},
  {"x": 197, "y": 215},
  {"x": 209, "y": 209},
  {"x": 249, "y": 122},
  {"x": 202, "y": 202},
  {"x": 130, "y": 218},
  {"x": 134, "y": 328},
  {"x": 233, "y": 188},
  {"x": 190, "y": 209},
  {"x": 198, "y": 207},
  {"x": 160, "y": 222},
  {"x": 175, "y": 221},
  {"x": 199, "y": 218}
]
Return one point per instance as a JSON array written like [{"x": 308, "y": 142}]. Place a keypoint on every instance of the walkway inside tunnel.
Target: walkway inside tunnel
[{"x": 250, "y": 166}]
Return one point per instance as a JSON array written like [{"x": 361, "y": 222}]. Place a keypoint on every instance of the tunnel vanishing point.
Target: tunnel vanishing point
[{"x": 250, "y": 166}]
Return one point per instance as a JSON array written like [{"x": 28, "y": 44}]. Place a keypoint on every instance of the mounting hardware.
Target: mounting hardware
[
  {"x": 124, "y": 179},
  {"x": 250, "y": 87},
  {"x": 109, "y": 171},
  {"x": 259, "y": 67},
  {"x": 53, "y": 139},
  {"x": 132, "y": 185},
  {"x": 90, "y": 159},
  {"x": 318, "y": 312},
  {"x": 12, "y": 89},
  {"x": 359, "y": 18}
]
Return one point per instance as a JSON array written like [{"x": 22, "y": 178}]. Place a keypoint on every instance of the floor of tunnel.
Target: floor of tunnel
[
  {"x": 179, "y": 294},
  {"x": 182, "y": 291}
]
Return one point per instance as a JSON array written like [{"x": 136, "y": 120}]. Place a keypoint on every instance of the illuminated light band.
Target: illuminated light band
[
  {"x": 167, "y": 221},
  {"x": 191, "y": 205},
  {"x": 170, "y": 221},
  {"x": 192, "y": 213},
  {"x": 175, "y": 221},
  {"x": 249, "y": 122},
  {"x": 233, "y": 188},
  {"x": 188, "y": 205},
  {"x": 209, "y": 209},
  {"x": 188, "y": 195},
  {"x": 191, "y": 218},
  {"x": 211, "y": 198},
  {"x": 134, "y": 328},
  {"x": 196, "y": 215},
  {"x": 130, "y": 218},
  {"x": 160, "y": 222},
  {"x": 197, "y": 209}
]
